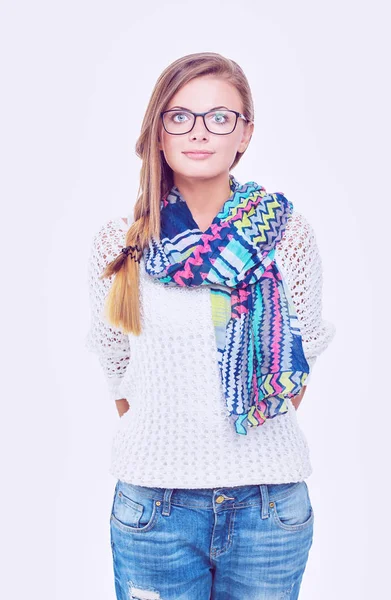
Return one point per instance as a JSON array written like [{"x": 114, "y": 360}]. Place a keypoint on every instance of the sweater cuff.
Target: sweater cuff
[{"x": 114, "y": 391}]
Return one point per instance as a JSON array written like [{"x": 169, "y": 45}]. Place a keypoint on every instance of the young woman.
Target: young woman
[{"x": 206, "y": 316}]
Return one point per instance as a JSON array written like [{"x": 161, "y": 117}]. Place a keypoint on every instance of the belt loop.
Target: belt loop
[
  {"x": 264, "y": 501},
  {"x": 167, "y": 502}
]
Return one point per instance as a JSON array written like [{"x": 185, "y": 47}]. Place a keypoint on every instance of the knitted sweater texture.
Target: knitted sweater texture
[{"x": 176, "y": 433}]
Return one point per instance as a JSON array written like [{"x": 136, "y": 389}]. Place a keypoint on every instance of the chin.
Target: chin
[{"x": 198, "y": 169}]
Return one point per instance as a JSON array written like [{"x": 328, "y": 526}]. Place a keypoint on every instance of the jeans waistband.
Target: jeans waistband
[{"x": 222, "y": 498}]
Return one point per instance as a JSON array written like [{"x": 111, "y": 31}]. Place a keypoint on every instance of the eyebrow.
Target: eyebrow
[{"x": 184, "y": 108}]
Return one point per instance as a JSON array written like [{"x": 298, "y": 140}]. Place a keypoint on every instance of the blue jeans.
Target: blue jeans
[{"x": 236, "y": 543}]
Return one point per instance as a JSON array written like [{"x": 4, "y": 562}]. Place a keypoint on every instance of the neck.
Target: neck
[{"x": 205, "y": 197}]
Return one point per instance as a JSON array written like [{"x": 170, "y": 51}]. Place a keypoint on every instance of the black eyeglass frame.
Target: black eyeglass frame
[{"x": 237, "y": 114}]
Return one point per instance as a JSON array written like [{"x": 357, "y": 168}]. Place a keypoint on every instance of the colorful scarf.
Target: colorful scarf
[{"x": 258, "y": 339}]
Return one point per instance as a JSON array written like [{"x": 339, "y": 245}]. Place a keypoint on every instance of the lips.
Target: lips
[
  {"x": 198, "y": 152},
  {"x": 193, "y": 155}
]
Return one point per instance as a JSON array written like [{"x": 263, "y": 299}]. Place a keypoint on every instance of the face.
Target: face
[{"x": 200, "y": 95}]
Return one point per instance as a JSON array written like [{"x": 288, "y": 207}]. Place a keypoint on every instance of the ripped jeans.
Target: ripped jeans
[{"x": 235, "y": 543}]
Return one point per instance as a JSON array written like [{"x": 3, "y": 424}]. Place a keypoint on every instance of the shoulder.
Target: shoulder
[
  {"x": 108, "y": 240},
  {"x": 298, "y": 233},
  {"x": 298, "y": 249},
  {"x": 299, "y": 225}
]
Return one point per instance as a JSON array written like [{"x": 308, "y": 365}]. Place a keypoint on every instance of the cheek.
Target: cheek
[
  {"x": 227, "y": 148},
  {"x": 172, "y": 148}
]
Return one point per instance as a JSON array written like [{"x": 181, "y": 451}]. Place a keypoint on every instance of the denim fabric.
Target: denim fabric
[{"x": 235, "y": 543}]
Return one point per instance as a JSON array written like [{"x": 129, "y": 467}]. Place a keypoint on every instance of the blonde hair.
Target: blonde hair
[{"x": 156, "y": 178}]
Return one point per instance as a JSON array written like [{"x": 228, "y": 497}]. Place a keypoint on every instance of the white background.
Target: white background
[{"x": 76, "y": 77}]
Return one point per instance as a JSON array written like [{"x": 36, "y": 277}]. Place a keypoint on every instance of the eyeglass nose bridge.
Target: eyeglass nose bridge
[{"x": 195, "y": 115}]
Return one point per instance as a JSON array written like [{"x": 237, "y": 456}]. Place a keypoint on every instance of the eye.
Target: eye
[
  {"x": 220, "y": 117},
  {"x": 179, "y": 117}
]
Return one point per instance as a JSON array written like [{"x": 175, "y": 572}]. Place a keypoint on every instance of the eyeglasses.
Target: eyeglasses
[{"x": 221, "y": 122}]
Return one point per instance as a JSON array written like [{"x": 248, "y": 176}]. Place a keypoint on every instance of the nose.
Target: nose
[{"x": 199, "y": 127}]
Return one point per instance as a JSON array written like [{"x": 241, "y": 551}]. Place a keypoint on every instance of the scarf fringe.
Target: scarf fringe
[
  {"x": 268, "y": 407},
  {"x": 257, "y": 416}
]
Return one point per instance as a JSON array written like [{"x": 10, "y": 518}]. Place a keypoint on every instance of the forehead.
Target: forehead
[{"x": 204, "y": 93}]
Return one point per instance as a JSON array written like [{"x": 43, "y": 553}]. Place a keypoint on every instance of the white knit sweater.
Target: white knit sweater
[{"x": 176, "y": 433}]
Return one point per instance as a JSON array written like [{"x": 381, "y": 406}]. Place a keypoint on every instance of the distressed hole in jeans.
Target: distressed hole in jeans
[
  {"x": 142, "y": 594},
  {"x": 287, "y": 594}
]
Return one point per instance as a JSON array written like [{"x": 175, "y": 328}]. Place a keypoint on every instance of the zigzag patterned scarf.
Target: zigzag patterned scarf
[{"x": 258, "y": 339}]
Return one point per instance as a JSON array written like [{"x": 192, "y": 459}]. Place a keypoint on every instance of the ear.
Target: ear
[{"x": 246, "y": 137}]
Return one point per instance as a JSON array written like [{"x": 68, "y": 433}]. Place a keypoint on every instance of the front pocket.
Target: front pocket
[
  {"x": 133, "y": 515},
  {"x": 294, "y": 511}
]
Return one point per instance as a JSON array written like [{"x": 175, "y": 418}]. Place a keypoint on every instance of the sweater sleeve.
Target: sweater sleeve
[
  {"x": 110, "y": 344},
  {"x": 298, "y": 257}
]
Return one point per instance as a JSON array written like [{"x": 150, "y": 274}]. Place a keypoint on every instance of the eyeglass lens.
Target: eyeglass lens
[{"x": 217, "y": 121}]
